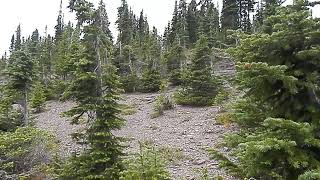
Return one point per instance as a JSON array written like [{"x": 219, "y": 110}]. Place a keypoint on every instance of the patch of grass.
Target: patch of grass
[
  {"x": 163, "y": 103},
  {"x": 221, "y": 97},
  {"x": 154, "y": 127},
  {"x": 172, "y": 155},
  {"x": 224, "y": 119},
  {"x": 128, "y": 109}
]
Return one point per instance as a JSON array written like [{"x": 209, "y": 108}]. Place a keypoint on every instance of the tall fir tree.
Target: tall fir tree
[
  {"x": 192, "y": 22},
  {"x": 95, "y": 89},
  {"x": 246, "y": 7},
  {"x": 17, "y": 42},
  {"x": 230, "y": 15},
  {"x": 60, "y": 24},
  {"x": 11, "y": 47}
]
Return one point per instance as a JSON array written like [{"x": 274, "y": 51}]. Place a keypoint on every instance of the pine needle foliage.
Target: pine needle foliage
[
  {"x": 278, "y": 69},
  {"x": 147, "y": 164},
  {"x": 199, "y": 86},
  {"x": 95, "y": 89},
  {"x": 38, "y": 97}
]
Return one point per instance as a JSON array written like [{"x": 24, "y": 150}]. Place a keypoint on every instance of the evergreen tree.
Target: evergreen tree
[
  {"x": 182, "y": 23},
  {"x": 265, "y": 9},
  {"x": 150, "y": 81},
  {"x": 210, "y": 23},
  {"x": 229, "y": 15},
  {"x": 245, "y": 8},
  {"x": 17, "y": 43},
  {"x": 33, "y": 46},
  {"x": 38, "y": 97},
  {"x": 65, "y": 48},
  {"x": 44, "y": 65},
  {"x": 192, "y": 22},
  {"x": 142, "y": 28},
  {"x": 11, "y": 48},
  {"x": 124, "y": 23},
  {"x": 10, "y": 118},
  {"x": 175, "y": 60},
  {"x": 95, "y": 90},
  {"x": 20, "y": 73},
  {"x": 279, "y": 113},
  {"x": 151, "y": 78},
  {"x": 60, "y": 24},
  {"x": 173, "y": 34},
  {"x": 199, "y": 87}
]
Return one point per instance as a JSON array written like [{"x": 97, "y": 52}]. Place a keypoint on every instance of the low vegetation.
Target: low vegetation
[{"x": 147, "y": 164}]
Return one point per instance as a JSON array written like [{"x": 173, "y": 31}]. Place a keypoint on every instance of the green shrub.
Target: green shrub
[
  {"x": 127, "y": 109},
  {"x": 24, "y": 150},
  {"x": 224, "y": 119},
  {"x": 163, "y": 101},
  {"x": 162, "y": 104},
  {"x": 310, "y": 175},
  {"x": 11, "y": 116},
  {"x": 147, "y": 164},
  {"x": 222, "y": 96},
  {"x": 175, "y": 77}
]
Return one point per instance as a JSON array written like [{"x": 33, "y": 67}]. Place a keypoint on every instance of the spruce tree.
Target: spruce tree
[
  {"x": 124, "y": 24},
  {"x": 245, "y": 8},
  {"x": 175, "y": 60},
  {"x": 182, "y": 23},
  {"x": 95, "y": 89},
  {"x": 20, "y": 73},
  {"x": 151, "y": 77},
  {"x": 229, "y": 15},
  {"x": 17, "y": 42},
  {"x": 279, "y": 112},
  {"x": 192, "y": 22},
  {"x": 38, "y": 97},
  {"x": 65, "y": 48},
  {"x": 11, "y": 48},
  {"x": 10, "y": 119},
  {"x": 173, "y": 34},
  {"x": 199, "y": 87},
  {"x": 210, "y": 23},
  {"x": 60, "y": 24}
]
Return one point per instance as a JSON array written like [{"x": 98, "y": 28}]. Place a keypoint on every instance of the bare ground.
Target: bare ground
[{"x": 187, "y": 131}]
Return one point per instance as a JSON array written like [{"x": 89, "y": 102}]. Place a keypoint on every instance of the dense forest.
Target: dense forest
[{"x": 272, "y": 99}]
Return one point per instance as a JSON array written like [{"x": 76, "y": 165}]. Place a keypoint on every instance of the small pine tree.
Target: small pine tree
[
  {"x": 175, "y": 60},
  {"x": 38, "y": 97},
  {"x": 147, "y": 164},
  {"x": 150, "y": 81},
  {"x": 199, "y": 85}
]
